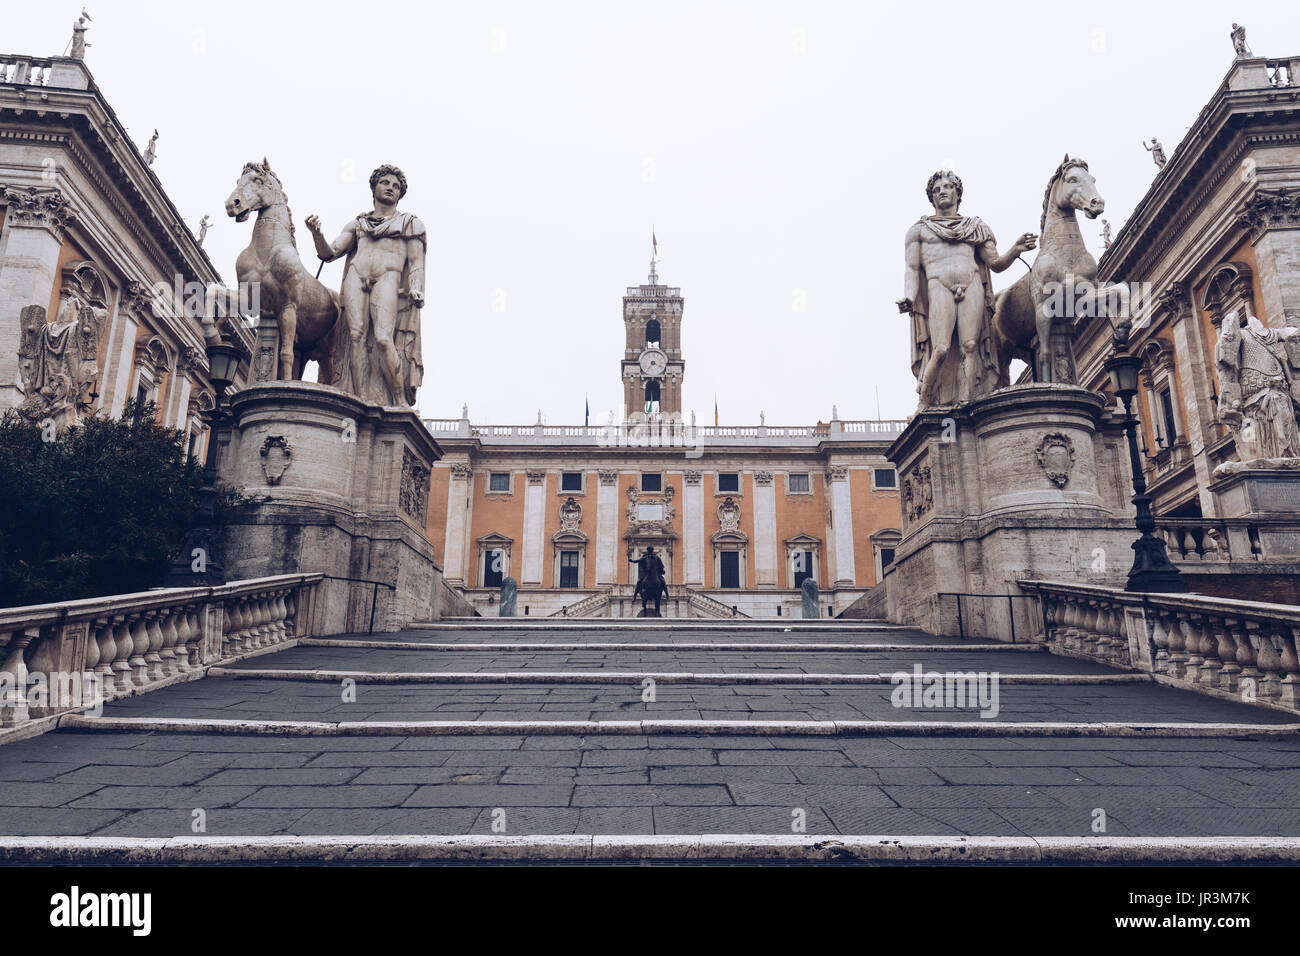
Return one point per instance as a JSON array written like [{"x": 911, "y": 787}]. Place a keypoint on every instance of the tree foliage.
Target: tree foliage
[{"x": 101, "y": 509}]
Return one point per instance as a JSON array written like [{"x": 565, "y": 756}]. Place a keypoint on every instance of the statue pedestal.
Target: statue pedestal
[
  {"x": 340, "y": 487},
  {"x": 1031, "y": 482},
  {"x": 1260, "y": 494}
]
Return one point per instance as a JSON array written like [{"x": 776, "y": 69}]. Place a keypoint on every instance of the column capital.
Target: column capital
[
  {"x": 1270, "y": 209},
  {"x": 38, "y": 207}
]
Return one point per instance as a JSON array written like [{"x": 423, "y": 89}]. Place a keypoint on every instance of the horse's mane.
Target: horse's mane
[
  {"x": 1066, "y": 164},
  {"x": 264, "y": 169}
]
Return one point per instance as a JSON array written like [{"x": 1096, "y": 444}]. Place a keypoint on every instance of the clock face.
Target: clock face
[{"x": 653, "y": 362}]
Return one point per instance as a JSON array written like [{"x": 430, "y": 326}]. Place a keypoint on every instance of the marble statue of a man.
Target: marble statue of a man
[
  {"x": 377, "y": 352},
  {"x": 947, "y": 289},
  {"x": 1260, "y": 394}
]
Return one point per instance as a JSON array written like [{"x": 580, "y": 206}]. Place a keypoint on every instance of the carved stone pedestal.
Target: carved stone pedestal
[
  {"x": 1030, "y": 482},
  {"x": 340, "y": 487},
  {"x": 1269, "y": 490}
]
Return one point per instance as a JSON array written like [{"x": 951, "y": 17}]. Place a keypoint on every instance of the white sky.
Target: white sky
[{"x": 780, "y": 150}]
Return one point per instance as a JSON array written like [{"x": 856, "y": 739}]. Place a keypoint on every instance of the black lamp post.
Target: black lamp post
[
  {"x": 197, "y": 564},
  {"x": 1152, "y": 570}
]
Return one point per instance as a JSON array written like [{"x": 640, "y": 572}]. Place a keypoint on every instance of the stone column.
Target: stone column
[
  {"x": 33, "y": 232},
  {"x": 607, "y": 528},
  {"x": 1273, "y": 217},
  {"x": 534, "y": 528},
  {"x": 765, "y": 568},
  {"x": 842, "y": 520},
  {"x": 693, "y": 529},
  {"x": 454, "y": 547}
]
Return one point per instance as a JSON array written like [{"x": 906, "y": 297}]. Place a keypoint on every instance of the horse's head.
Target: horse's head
[
  {"x": 1072, "y": 187},
  {"x": 257, "y": 188}
]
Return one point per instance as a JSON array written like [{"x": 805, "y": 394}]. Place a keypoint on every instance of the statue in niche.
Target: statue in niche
[
  {"x": 1260, "y": 395},
  {"x": 58, "y": 360}
]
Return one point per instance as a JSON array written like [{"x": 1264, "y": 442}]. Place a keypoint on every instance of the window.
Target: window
[
  {"x": 571, "y": 481},
  {"x": 1167, "y": 409},
  {"x": 494, "y": 563},
  {"x": 886, "y": 557},
  {"x": 652, "y": 482},
  {"x": 652, "y": 334},
  {"x": 799, "y": 483},
  {"x": 802, "y": 563},
  {"x": 729, "y": 569},
  {"x": 499, "y": 481},
  {"x": 568, "y": 569},
  {"x": 729, "y": 481},
  {"x": 884, "y": 478}
]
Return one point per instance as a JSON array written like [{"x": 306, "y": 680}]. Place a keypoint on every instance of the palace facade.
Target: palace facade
[
  {"x": 1218, "y": 232},
  {"x": 741, "y": 515}
]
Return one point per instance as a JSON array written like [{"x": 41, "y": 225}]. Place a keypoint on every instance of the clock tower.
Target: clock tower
[{"x": 652, "y": 365}]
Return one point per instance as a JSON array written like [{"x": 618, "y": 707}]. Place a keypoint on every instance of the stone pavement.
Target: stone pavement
[{"x": 387, "y": 736}]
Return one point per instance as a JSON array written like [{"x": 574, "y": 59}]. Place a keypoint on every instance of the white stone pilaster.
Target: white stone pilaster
[
  {"x": 607, "y": 529},
  {"x": 454, "y": 547},
  {"x": 534, "y": 528},
  {"x": 122, "y": 346},
  {"x": 842, "y": 512},
  {"x": 693, "y": 530},
  {"x": 765, "y": 568}
]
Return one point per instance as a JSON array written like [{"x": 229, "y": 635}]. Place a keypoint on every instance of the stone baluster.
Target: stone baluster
[
  {"x": 291, "y": 628},
  {"x": 234, "y": 628},
  {"x": 1247, "y": 649},
  {"x": 1232, "y": 637},
  {"x": 13, "y": 678},
  {"x": 259, "y": 636},
  {"x": 139, "y": 648},
  {"x": 1159, "y": 638},
  {"x": 1192, "y": 627},
  {"x": 281, "y": 615},
  {"x": 153, "y": 660},
  {"x": 178, "y": 662},
  {"x": 1269, "y": 661},
  {"x": 195, "y": 645},
  {"x": 1070, "y": 625},
  {"x": 1213, "y": 645},
  {"x": 1177, "y": 645},
  {"x": 123, "y": 679},
  {"x": 167, "y": 652},
  {"x": 1289, "y": 661},
  {"x": 103, "y": 636},
  {"x": 90, "y": 663}
]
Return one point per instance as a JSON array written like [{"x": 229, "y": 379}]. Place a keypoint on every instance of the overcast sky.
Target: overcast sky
[{"x": 780, "y": 150}]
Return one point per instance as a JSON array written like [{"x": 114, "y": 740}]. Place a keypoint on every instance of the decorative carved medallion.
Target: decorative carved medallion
[
  {"x": 1056, "y": 456},
  {"x": 276, "y": 458},
  {"x": 414, "y": 493},
  {"x": 570, "y": 515},
  {"x": 729, "y": 514}
]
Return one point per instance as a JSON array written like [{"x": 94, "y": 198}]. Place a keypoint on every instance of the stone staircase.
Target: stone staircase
[
  {"x": 618, "y": 602},
  {"x": 606, "y": 740}
]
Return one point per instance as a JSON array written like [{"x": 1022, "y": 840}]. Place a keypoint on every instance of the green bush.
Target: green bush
[{"x": 100, "y": 510}]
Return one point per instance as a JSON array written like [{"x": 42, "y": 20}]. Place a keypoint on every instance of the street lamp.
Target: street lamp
[
  {"x": 197, "y": 564},
  {"x": 1152, "y": 570}
]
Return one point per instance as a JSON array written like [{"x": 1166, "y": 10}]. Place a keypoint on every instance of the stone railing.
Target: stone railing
[
  {"x": 666, "y": 433},
  {"x": 708, "y": 605},
  {"x": 25, "y": 70},
  {"x": 60, "y": 658},
  {"x": 1218, "y": 645},
  {"x": 586, "y": 607}
]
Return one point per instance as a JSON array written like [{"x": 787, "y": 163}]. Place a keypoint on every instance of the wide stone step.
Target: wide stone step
[
  {"x": 705, "y": 659},
  {"x": 719, "y": 699}
]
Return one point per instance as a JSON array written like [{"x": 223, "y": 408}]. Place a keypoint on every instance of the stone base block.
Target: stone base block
[
  {"x": 1028, "y": 483},
  {"x": 338, "y": 487}
]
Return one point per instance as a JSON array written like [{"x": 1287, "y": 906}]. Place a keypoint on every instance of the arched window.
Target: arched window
[
  {"x": 652, "y": 334},
  {"x": 651, "y": 397}
]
